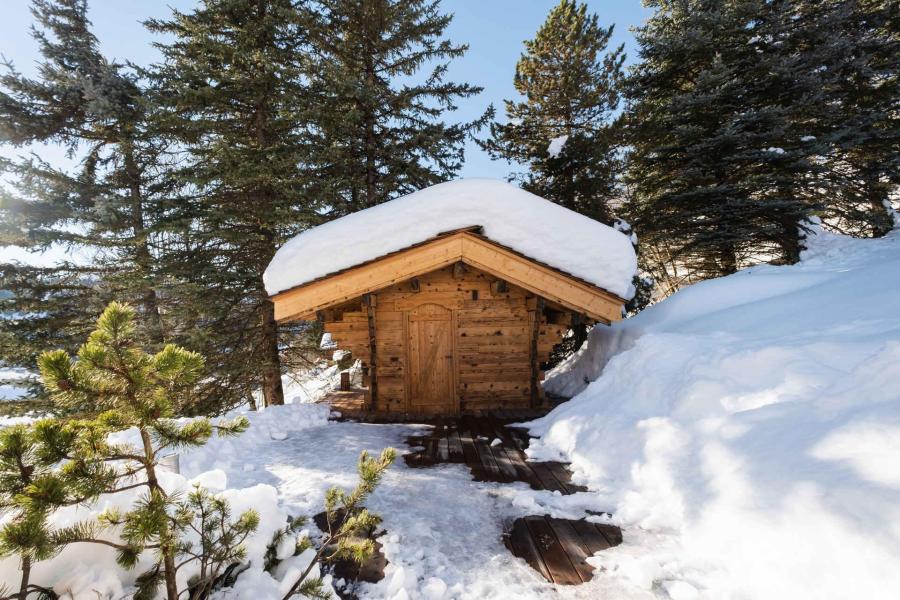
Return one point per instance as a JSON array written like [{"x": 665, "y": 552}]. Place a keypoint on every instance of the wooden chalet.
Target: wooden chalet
[{"x": 455, "y": 323}]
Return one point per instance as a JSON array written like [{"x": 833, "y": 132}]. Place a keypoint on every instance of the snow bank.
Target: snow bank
[
  {"x": 15, "y": 382},
  {"x": 746, "y": 431},
  {"x": 510, "y": 216},
  {"x": 276, "y": 423}
]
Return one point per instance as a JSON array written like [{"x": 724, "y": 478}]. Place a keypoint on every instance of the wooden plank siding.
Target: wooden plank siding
[
  {"x": 499, "y": 336},
  {"x": 302, "y": 302}
]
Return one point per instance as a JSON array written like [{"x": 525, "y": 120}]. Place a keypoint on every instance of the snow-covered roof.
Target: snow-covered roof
[{"x": 508, "y": 215}]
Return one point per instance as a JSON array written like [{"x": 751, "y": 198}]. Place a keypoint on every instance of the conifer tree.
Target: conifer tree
[
  {"x": 346, "y": 516},
  {"x": 562, "y": 131},
  {"x": 856, "y": 43},
  {"x": 98, "y": 111},
  {"x": 117, "y": 386},
  {"x": 718, "y": 169},
  {"x": 745, "y": 117},
  {"x": 381, "y": 119},
  {"x": 32, "y": 486},
  {"x": 234, "y": 84}
]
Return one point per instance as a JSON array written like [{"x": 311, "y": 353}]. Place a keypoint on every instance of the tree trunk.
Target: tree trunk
[
  {"x": 273, "y": 393},
  {"x": 153, "y": 483},
  {"x": 370, "y": 141},
  {"x": 876, "y": 195},
  {"x": 725, "y": 261},
  {"x": 143, "y": 259},
  {"x": 26, "y": 575},
  {"x": 790, "y": 241}
]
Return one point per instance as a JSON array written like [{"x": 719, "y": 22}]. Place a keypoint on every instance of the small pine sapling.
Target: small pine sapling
[
  {"x": 347, "y": 518},
  {"x": 219, "y": 548},
  {"x": 118, "y": 386}
]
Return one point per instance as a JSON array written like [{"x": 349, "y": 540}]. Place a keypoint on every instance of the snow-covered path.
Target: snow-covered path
[{"x": 443, "y": 529}]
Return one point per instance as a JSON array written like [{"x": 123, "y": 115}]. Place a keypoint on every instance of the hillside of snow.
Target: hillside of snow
[{"x": 745, "y": 432}]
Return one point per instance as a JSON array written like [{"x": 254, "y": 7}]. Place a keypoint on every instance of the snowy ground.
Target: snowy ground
[
  {"x": 745, "y": 433},
  {"x": 10, "y": 390},
  {"x": 443, "y": 530}
]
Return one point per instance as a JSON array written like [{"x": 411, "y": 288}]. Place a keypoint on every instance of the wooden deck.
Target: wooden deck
[
  {"x": 492, "y": 450},
  {"x": 558, "y": 549}
]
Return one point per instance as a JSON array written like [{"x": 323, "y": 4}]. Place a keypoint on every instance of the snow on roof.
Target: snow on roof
[{"x": 510, "y": 216}]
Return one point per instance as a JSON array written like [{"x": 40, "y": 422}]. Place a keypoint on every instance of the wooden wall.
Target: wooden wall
[{"x": 496, "y": 344}]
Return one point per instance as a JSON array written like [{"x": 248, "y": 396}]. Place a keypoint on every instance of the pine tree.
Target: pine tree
[
  {"x": 41, "y": 308},
  {"x": 380, "y": 120},
  {"x": 99, "y": 113},
  {"x": 562, "y": 131},
  {"x": 113, "y": 386},
  {"x": 33, "y": 485},
  {"x": 718, "y": 168},
  {"x": 856, "y": 44},
  {"x": 234, "y": 83},
  {"x": 745, "y": 117},
  {"x": 117, "y": 386},
  {"x": 220, "y": 543}
]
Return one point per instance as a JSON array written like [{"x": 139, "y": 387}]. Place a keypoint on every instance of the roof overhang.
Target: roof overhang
[{"x": 303, "y": 301}]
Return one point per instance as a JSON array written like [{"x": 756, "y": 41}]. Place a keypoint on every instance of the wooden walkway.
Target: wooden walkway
[
  {"x": 492, "y": 451},
  {"x": 558, "y": 549},
  {"x": 351, "y": 405}
]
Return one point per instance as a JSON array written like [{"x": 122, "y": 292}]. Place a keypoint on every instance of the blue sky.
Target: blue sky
[{"x": 494, "y": 30}]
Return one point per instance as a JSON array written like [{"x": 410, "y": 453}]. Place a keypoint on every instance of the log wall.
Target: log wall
[{"x": 495, "y": 356}]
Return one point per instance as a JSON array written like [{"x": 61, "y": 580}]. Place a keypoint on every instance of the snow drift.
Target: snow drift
[
  {"x": 509, "y": 215},
  {"x": 746, "y": 432}
]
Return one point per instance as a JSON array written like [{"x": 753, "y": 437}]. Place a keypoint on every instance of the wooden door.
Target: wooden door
[{"x": 431, "y": 362}]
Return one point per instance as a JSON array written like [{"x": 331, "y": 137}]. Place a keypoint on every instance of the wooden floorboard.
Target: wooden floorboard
[
  {"x": 467, "y": 440},
  {"x": 521, "y": 543},
  {"x": 558, "y": 549},
  {"x": 593, "y": 538},
  {"x": 573, "y": 547},
  {"x": 555, "y": 557}
]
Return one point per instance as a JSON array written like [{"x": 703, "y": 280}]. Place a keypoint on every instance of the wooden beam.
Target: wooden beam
[
  {"x": 533, "y": 351},
  {"x": 540, "y": 280},
  {"x": 369, "y": 300},
  {"x": 303, "y": 301}
]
